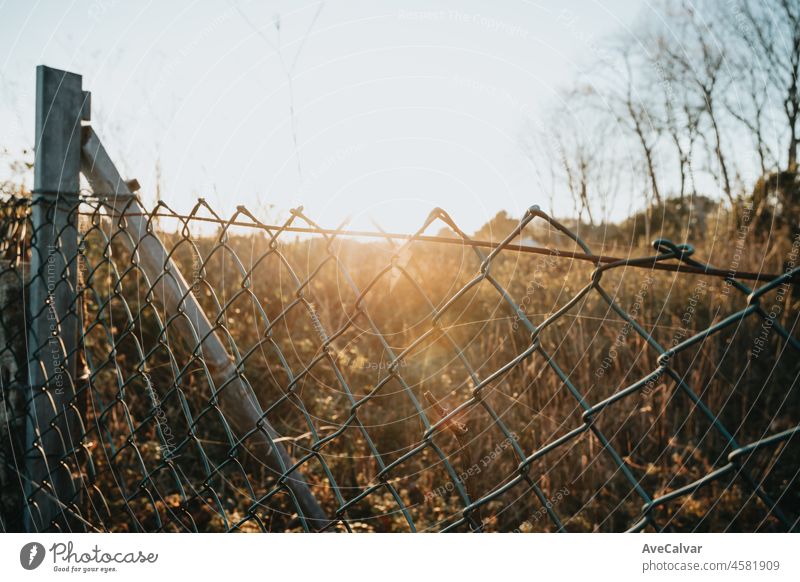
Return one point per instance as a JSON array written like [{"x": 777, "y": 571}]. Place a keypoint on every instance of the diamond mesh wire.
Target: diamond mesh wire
[{"x": 413, "y": 385}]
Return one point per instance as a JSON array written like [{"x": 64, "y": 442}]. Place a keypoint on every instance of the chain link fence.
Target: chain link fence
[{"x": 232, "y": 375}]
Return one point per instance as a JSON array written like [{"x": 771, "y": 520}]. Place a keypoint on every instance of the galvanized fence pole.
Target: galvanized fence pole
[{"x": 52, "y": 427}]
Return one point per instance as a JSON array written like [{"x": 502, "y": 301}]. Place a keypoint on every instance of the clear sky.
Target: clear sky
[{"x": 398, "y": 106}]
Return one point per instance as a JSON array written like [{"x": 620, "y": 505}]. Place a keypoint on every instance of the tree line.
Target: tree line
[{"x": 700, "y": 100}]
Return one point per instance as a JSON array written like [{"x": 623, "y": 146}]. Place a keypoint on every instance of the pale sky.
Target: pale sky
[{"x": 398, "y": 106}]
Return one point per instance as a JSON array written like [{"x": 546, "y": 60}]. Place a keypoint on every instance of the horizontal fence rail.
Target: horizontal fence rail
[{"x": 423, "y": 383}]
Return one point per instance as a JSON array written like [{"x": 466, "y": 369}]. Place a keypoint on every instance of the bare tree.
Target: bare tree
[
  {"x": 680, "y": 117},
  {"x": 558, "y": 151},
  {"x": 693, "y": 51},
  {"x": 770, "y": 31},
  {"x": 576, "y": 160},
  {"x": 619, "y": 92},
  {"x": 585, "y": 153},
  {"x": 752, "y": 114}
]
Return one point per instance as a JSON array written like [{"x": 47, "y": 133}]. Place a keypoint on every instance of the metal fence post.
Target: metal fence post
[{"x": 51, "y": 431}]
